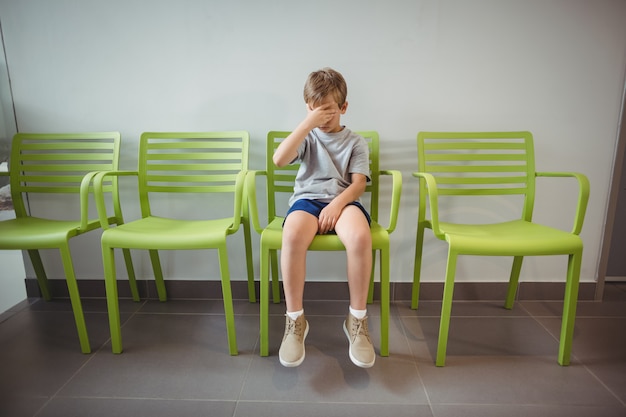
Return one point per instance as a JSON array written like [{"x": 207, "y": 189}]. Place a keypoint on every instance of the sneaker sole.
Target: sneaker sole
[
  {"x": 299, "y": 361},
  {"x": 352, "y": 358}
]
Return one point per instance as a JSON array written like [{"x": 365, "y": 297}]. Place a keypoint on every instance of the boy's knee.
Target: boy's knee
[
  {"x": 359, "y": 240},
  {"x": 290, "y": 238},
  {"x": 298, "y": 234}
]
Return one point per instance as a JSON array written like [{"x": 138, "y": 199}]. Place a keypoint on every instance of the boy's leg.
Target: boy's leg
[
  {"x": 354, "y": 232},
  {"x": 299, "y": 230}
]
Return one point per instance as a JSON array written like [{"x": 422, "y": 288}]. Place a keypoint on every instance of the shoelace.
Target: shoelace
[
  {"x": 359, "y": 327},
  {"x": 294, "y": 327}
]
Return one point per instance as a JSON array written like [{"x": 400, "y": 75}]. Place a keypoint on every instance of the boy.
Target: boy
[{"x": 334, "y": 170}]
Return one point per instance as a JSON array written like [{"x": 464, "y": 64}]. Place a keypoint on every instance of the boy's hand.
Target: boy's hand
[
  {"x": 328, "y": 218},
  {"x": 321, "y": 115}
]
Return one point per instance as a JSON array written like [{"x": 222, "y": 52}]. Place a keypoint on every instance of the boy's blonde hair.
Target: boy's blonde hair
[{"x": 323, "y": 82}]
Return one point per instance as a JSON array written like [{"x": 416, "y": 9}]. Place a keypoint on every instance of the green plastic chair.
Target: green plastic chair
[
  {"x": 58, "y": 165},
  {"x": 484, "y": 164},
  {"x": 172, "y": 165},
  {"x": 281, "y": 180}
]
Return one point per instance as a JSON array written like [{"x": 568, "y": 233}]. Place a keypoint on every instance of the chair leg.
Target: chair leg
[
  {"x": 419, "y": 244},
  {"x": 132, "y": 281},
  {"x": 249, "y": 261},
  {"x": 446, "y": 309},
  {"x": 228, "y": 299},
  {"x": 77, "y": 307},
  {"x": 275, "y": 282},
  {"x": 569, "y": 308},
  {"x": 158, "y": 274},
  {"x": 513, "y": 282},
  {"x": 264, "y": 301},
  {"x": 110, "y": 282},
  {"x": 370, "y": 293},
  {"x": 384, "y": 302},
  {"x": 40, "y": 273}
]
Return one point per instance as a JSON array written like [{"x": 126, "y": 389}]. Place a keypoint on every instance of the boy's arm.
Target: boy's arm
[
  {"x": 330, "y": 214},
  {"x": 287, "y": 151}
]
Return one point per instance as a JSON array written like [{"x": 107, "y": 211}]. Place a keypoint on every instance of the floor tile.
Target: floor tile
[
  {"x": 40, "y": 350},
  {"x": 328, "y": 375},
  {"x": 185, "y": 307},
  {"x": 170, "y": 356},
  {"x": 290, "y": 409},
  {"x": 484, "y": 336},
  {"x": 514, "y": 410},
  {"x": 500, "y": 361},
  {"x": 461, "y": 308},
  {"x": 120, "y": 407},
  {"x": 583, "y": 309},
  {"x": 20, "y": 405},
  {"x": 93, "y": 305},
  {"x": 514, "y": 380},
  {"x": 600, "y": 344}
]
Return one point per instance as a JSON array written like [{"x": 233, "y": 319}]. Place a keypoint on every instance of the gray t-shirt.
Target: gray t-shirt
[{"x": 327, "y": 161}]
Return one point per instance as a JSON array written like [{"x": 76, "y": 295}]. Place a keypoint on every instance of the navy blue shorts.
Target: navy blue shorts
[{"x": 314, "y": 207}]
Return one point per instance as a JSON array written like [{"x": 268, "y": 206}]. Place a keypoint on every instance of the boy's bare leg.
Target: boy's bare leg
[
  {"x": 298, "y": 232},
  {"x": 299, "y": 229},
  {"x": 354, "y": 232}
]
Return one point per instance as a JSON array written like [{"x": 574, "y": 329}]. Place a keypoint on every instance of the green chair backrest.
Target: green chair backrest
[
  {"x": 52, "y": 163},
  {"x": 281, "y": 180},
  {"x": 191, "y": 162},
  {"x": 478, "y": 163}
]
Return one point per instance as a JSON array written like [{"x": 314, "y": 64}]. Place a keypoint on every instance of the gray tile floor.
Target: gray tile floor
[{"x": 176, "y": 363}]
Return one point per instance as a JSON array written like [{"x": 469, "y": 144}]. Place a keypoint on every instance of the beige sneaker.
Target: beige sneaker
[
  {"x": 291, "y": 351},
  {"x": 361, "y": 350}
]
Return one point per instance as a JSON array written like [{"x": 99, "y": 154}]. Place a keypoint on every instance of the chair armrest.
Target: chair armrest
[
  {"x": 396, "y": 191},
  {"x": 4, "y": 173},
  {"x": 252, "y": 198},
  {"x": 99, "y": 197},
  {"x": 583, "y": 195},
  {"x": 433, "y": 199},
  {"x": 85, "y": 189},
  {"x": 241, "y": 201}
]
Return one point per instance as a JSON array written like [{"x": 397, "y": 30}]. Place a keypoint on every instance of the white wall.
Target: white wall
[
  {"x": 12, "y": 276},
  {"x": 554, "y": 67}
]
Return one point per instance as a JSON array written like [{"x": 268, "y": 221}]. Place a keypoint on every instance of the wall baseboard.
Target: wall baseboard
[{"x": 400, "y": 291}]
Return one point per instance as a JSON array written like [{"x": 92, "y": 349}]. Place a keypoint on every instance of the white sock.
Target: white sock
[
  {"x": 293, "y": 315},
  {"x": 359, "y": 314}
]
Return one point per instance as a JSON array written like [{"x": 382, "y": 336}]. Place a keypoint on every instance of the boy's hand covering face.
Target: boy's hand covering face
[
  {"x": 322, "y": 114},
  {"x": 326, "y": 114}
]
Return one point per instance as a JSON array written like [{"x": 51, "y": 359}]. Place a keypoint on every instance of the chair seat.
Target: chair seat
[
  {"x": 156, "y": 233},
  {"x": 36, "y": 233},
  {"x": 509, "y": 239},
  {"x": 272, "y": 237}
]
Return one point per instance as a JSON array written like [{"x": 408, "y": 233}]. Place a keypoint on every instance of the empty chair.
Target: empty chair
[
  {"x": 60, "y": 167},
  {"x": 206, "y": 166},
  {"x": 487, "y": 165}
]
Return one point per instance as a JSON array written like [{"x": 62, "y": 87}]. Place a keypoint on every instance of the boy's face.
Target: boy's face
[{"x": 333, "y": 125}]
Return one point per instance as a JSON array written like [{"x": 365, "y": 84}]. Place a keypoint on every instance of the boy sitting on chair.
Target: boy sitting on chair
[{"x": 334, "y": 170}]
